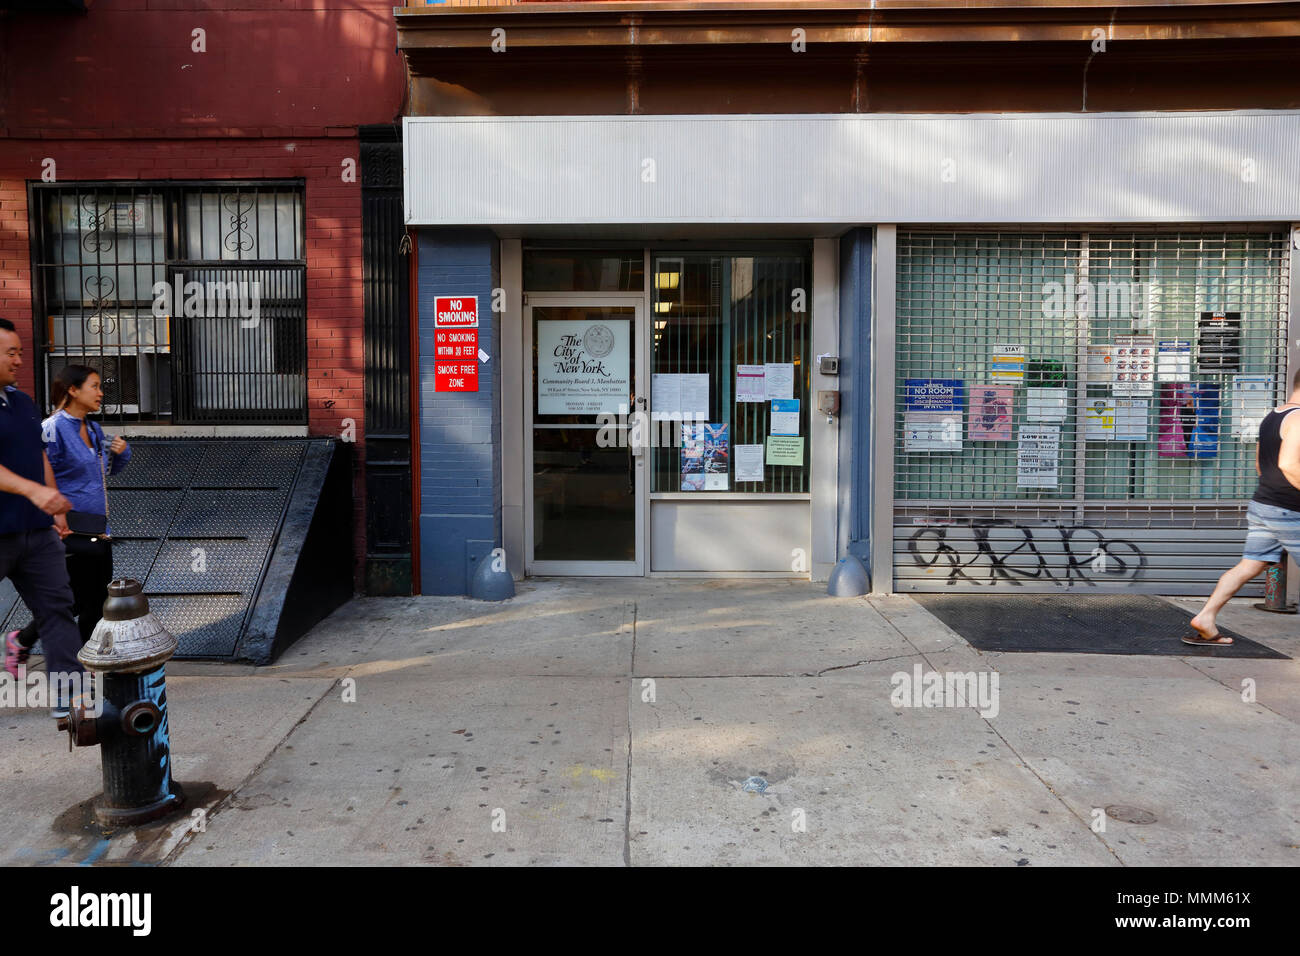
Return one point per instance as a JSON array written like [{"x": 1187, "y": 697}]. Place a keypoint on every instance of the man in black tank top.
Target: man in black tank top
[{"x": 1272, "y": 517}]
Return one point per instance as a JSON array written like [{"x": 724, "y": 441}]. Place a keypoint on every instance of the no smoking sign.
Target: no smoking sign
[{"x": 455, "y": 342}]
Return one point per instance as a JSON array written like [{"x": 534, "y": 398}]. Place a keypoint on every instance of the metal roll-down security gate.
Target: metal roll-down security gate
[{"x": 1080, "y": 409}]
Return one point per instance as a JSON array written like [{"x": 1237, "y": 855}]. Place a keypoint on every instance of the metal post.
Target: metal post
[
  {"x": 884, "y": 317},
  {"x": 1275, "y": 589}
]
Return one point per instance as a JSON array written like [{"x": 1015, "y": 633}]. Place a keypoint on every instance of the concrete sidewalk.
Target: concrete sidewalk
[{"x": 615, "y": 721}]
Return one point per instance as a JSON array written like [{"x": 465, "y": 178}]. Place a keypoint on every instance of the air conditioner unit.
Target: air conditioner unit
[{"x": 132, "y": 383}]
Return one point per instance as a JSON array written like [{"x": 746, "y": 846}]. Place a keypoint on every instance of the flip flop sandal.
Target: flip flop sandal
[{"x": 1219, "y": 640}]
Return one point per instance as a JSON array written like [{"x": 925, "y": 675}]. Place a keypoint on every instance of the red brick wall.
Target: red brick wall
[
  {"x": 335, "y": 341},
  {"x": 278, "y": 92},
  {"x": 15, "y": 265},
  {"x": 131, "y": 65}
]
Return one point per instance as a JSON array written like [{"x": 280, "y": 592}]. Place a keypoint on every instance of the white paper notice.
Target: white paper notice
[
  {"x": 778, "y": 380},
  {"x": 1130, "y": 419},
  {"x": 749, "y": 383},
  {"x": 1101, "y": 364},
  {"x": 1174, "y": 360},
  {"x": 1252, "y": 399},
  {"x": 665, "y": 396},
  {"x": 1046, "y": 404},
  {"x": 1099, "y": 420},
  {"x": 932, "y": 431},
  {"x": 785, "y": 416},
  {"x": 749, "y": 463},
  {"x": 1036, "y": 457},
  {"x": 695, "y": 395}
]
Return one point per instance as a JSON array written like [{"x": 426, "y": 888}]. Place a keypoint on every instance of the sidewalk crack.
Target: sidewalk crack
[
  {"x": 874, "y": 660},
  {"x": 1020, "y": 757},
  {"x": 1190, "y": 662},
  {"x": 230, "y": 797}
]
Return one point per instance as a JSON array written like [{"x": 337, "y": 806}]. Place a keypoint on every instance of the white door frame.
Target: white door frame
[{"x": 641, "y": 367}]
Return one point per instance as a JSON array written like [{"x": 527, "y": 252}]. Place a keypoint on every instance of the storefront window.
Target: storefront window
[{"x": 730, "y": 373}]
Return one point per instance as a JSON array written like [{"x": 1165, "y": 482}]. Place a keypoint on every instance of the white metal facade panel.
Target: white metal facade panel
[
  {"x": 728, "y": 536},
  {"x": 1031, "y": 168}
]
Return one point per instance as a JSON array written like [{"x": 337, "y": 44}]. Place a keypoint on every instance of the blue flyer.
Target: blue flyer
[{"x": 934, "y": 395}]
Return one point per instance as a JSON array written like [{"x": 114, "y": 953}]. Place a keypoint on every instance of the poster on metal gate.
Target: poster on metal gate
[
  {"x": 1037, "y": 454},
  {"x": 1252, "y": 399},
  {"x": 1135, "y": 364},
  {"x": 1174, "y": 360},
  {"x": 1218, "y": 342},
  {"x": 933, "y": 410},
  {"x": 990, "y": 412}
]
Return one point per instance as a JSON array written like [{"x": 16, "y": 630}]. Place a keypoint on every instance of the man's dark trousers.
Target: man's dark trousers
[{"x": 36, "y": 563}]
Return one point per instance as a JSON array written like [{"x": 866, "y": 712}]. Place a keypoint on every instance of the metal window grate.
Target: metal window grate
[
  {"x": 243, "y": 357},
  {"x": 101, "y": 248}
]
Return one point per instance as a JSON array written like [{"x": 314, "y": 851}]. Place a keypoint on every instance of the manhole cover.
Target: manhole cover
[{"x": 1130, "y": 814}]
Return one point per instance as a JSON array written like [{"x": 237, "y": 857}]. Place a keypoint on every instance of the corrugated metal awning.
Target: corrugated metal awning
[{"x": 1239, "y": 166}]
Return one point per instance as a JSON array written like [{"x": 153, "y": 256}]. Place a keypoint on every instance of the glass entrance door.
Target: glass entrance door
[{"x": 586, "y": 467}]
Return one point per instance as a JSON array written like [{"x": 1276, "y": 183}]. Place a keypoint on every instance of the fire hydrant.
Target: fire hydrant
[{"x": 127, "y": 717}]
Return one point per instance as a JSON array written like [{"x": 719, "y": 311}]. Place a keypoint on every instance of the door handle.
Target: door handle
[{"x": 637, "y": 429}]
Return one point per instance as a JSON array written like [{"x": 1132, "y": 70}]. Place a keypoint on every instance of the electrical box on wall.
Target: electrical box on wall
[
  {"x": 828, "y": 403},
  {"x": 828, "y": 364}
]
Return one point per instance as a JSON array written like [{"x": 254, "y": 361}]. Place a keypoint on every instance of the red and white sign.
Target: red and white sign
[
  {"x": 455, "y": 360},
  {"x": 455, "y": 312},
  {"x": 455, "y": 343}
]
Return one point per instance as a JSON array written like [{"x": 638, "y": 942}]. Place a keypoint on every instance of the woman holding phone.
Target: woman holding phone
[{"x": 82, "y": 457}]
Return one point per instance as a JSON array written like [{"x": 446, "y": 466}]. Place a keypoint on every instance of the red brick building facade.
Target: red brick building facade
[{"x": 150, "y": 91}]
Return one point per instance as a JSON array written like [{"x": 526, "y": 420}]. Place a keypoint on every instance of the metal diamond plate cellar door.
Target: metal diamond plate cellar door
[{"x": 196, "y": 522}]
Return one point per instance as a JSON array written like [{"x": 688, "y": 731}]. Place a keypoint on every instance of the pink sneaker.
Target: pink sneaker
[{"x": 15, "y": 656}]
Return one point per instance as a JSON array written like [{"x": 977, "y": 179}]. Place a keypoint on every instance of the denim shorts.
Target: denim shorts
[{"x": 1269, "y": 529}]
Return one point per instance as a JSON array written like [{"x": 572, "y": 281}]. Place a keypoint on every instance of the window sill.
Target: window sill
[{"x": 730, "y": 496}]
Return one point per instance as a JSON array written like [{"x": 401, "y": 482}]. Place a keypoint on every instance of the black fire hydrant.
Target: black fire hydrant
[{"x": 127, "y": 715}]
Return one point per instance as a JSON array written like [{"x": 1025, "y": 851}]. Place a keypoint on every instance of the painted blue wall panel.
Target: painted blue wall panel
[
  {"x": 854, "y": 518},
  {"x": 460, "y": 432}
]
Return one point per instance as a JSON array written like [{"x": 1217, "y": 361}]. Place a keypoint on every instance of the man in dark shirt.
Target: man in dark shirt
[
  {"x": 31, "y": 554},
  {"x": 1272, "y": 517}
]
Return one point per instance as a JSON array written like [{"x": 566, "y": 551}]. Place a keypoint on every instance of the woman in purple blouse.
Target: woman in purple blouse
[{"x": 82, "y": 457}]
